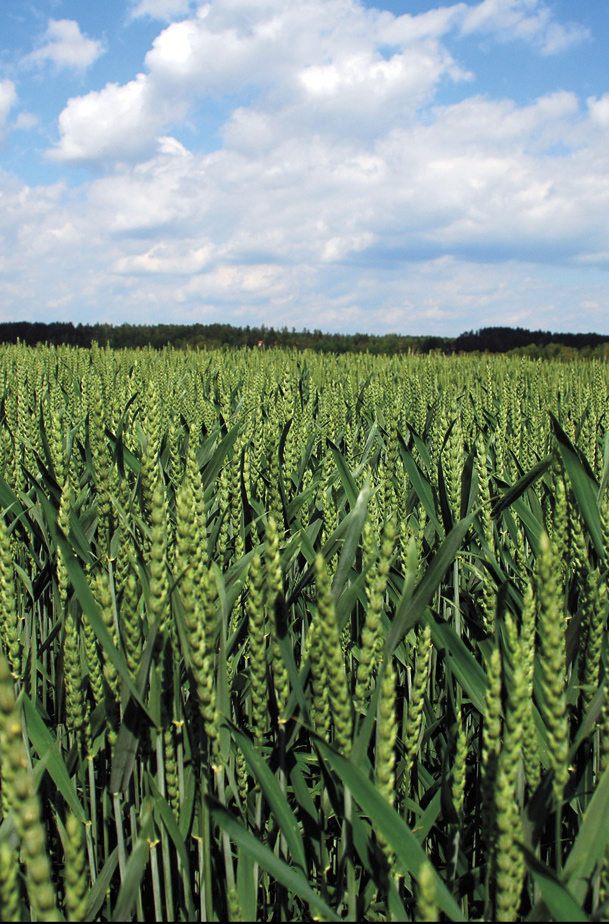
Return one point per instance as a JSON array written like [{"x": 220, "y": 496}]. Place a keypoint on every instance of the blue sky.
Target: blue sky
[{"x": 415, "y": 166}]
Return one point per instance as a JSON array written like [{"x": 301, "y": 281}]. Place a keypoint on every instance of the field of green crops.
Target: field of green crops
[{"x": 286, "y": 637}]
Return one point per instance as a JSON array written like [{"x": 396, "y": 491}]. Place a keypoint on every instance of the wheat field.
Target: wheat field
[{"x": 290, "y": 637}]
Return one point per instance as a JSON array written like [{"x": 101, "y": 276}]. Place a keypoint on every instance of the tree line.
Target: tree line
[{"x": 535, "y": 344}]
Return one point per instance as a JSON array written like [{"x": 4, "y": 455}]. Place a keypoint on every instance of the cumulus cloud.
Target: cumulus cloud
[
  {"x": 321, "y": 61},
  {"x": 475, "y": 182},
  {"x": 326, "y": 66},
  {"x": 115, "y": 123},
  {"x": 65, "y": 46},
  {"x": 337, "y": 192}
]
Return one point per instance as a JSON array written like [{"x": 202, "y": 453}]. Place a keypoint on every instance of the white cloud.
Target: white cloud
[
  {"x": 65, "y": 46},
  {"x": 26, "y": 121},
  {"x": 31, "y": 220},
  {"x": 408, "y": 29},
  {"x": 8, "y": 98},
  {"x": 320, "y": 66},
  {"x": 558, "y": 37},
  {"x": 475, "y": 179},
  {"x": 233, "y": 282},
  {"x": 62, "y": 256},
  {"x": 315, "y": 227},
  {"x": 165, "y": 10},
  {"x": 176, "y": 259},
  {"x": 338, "y": 194},
  {"x": 522, "y": 18},
  {"x": 317, "y": 60},
  {"x": 338, "y": 248},
  {"x": 599, "y": 110},
  {"x": 527, "y": 20},
  {"x": 118, "y": 123},
  {"x": 148, "y": 197}
]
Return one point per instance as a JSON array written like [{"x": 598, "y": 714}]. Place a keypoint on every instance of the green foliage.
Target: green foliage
[{"x": 287, "y": 636}]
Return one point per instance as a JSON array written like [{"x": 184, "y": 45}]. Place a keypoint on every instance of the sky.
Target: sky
[{"x": 414, "y": 166}]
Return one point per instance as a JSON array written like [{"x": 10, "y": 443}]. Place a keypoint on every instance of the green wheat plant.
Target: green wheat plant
[{"x": 289, "y": 636}]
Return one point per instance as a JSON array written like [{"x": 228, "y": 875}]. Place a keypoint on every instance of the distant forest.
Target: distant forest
[{"x": 516, "y": 341}]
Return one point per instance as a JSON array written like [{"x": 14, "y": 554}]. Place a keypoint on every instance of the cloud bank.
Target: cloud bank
[{"x": 332, "y": 189}]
